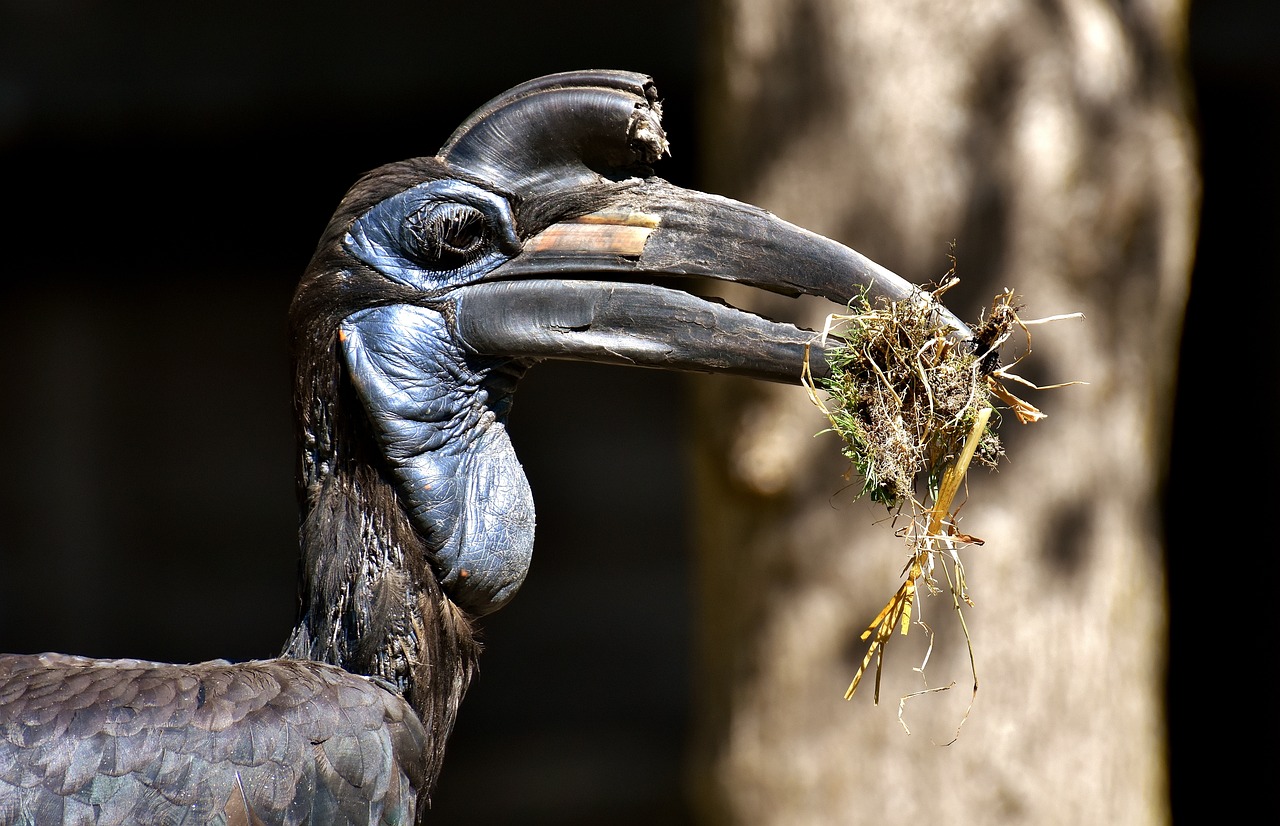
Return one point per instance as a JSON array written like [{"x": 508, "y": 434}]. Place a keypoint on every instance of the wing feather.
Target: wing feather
[{"x": 274, "y": 741}]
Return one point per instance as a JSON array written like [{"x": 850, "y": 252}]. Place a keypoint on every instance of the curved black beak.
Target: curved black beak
[{"x": 571, "y": 292}]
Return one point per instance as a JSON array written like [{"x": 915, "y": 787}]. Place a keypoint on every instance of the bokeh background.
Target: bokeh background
[{"x": 165, "y": 172}]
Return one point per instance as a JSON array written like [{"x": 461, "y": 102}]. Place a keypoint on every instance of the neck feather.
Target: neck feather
[{"x": 370, "y": 600}]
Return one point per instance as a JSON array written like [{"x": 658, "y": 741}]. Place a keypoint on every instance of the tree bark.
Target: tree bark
[{"x": 1051, "y": 141}]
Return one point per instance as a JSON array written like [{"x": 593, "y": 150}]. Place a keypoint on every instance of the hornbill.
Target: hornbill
[{"x": 537, "y": 232}]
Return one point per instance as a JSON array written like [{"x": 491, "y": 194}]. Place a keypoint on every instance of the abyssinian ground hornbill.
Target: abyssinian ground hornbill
[{"x": 531, "y": 235}]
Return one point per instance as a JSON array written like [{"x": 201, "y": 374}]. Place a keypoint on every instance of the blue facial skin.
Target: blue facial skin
[
  {"x": 440, "y": 418},
  {"x": 438, "y": 412}
]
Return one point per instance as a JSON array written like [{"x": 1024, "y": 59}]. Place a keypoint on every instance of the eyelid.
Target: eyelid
[
  {"x": 494, "y": 207},
  {"x": 426, "y": 229},
  {"x": 375, "y": 237}
]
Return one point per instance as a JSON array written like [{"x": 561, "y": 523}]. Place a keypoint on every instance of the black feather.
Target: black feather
[{"x": 251, "y": 746}]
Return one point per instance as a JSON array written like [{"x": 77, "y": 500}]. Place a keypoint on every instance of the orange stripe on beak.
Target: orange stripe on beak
[{"x": 615, "y": 233}]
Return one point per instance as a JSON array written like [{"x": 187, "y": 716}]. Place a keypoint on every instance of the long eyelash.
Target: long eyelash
[
  {"x": 448, "y": 230},
  {"x": 454, "y": 225}
]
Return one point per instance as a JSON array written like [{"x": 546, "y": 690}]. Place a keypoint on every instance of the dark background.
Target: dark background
[
  {"x": 1225, "y": 448},
  {"x": 165, "y": 175}
]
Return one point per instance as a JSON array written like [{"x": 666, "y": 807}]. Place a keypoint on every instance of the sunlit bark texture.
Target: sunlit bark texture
[{"x": 1051, "y": 141}]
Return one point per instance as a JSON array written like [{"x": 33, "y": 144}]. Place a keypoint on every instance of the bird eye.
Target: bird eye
[{"x": 445, "y": 236}]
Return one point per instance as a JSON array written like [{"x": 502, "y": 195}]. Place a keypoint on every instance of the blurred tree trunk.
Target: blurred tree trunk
[{"x": 1051, "y": 140}]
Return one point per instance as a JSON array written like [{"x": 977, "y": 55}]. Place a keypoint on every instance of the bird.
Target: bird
[{"x": 538, "y": 231}]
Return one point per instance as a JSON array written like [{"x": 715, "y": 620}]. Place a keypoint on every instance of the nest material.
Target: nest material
[
  {"x": 903, "y": 395},
  {"x": 913, "y": 408}
]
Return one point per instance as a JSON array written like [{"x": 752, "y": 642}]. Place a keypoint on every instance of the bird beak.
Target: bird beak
[{"x": 574, "y": 291}]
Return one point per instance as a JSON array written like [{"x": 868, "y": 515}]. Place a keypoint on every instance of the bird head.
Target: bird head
[{"x": 536, "y": 232}]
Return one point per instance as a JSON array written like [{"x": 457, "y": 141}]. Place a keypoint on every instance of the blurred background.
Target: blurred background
[{"x": 166, "y": 172}]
